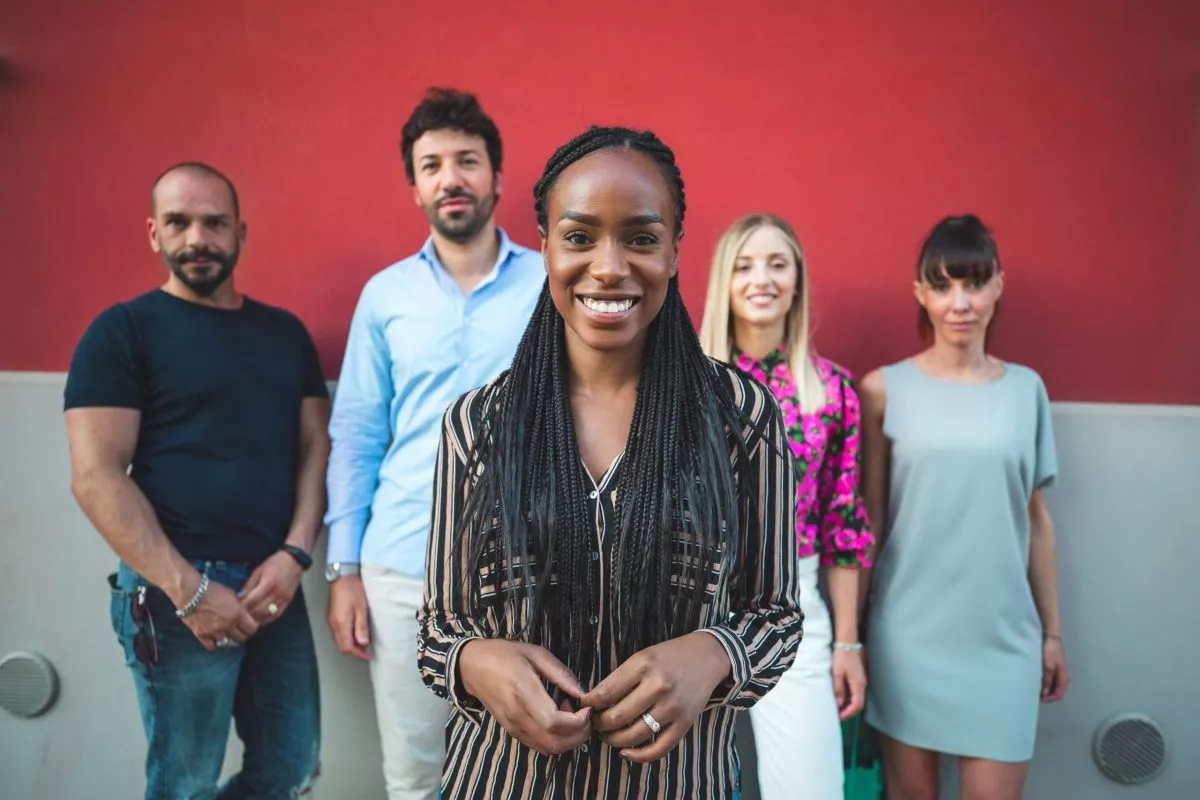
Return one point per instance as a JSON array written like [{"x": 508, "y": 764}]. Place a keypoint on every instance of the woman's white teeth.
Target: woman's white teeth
[{"x": 608, "y": 306}]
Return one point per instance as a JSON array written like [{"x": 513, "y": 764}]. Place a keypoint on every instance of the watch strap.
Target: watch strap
[
  {"x": 340, "y": 569},
  {"x": 302, "y": 558}
]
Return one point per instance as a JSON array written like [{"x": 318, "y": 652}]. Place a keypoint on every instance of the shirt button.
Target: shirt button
[
  {"x": 593, "y": 494},
  {"x": 593, "y": 619},
  {"x": 595, "y": 555}
]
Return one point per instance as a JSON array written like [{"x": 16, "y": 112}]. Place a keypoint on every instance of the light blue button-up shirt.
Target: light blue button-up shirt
[{"x": 416, "y": 344}]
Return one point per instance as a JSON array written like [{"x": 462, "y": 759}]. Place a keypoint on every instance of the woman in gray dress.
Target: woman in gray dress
[{"x": 963, "y": 628}]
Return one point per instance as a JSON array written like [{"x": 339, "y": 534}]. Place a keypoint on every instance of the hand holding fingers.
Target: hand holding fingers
[
  {"x": 617, "y": 686},
  {"x": 271, "y": 587},
  {"x": 220, "y": 616},
  {"x": 506, "y": 677},
  {"x": 671, "y": 681},
  {"x": 630, "y": 708},
  {"x": 558, "y": 730}
]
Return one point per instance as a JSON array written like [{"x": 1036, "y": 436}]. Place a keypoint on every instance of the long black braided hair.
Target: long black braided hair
[{"x": 528, "y": 515}]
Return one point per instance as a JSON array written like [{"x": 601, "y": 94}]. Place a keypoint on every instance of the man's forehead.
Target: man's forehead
[
  {"x": 190, "y": 191},
  {"x": 447, "y": 141}
]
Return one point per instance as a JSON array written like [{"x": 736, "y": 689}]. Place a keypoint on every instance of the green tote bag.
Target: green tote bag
[{"x": 864, "y": 772}]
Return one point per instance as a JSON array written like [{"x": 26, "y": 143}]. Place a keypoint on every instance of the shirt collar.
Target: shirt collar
[
  {"x": 777, "y": 356},
  {"x": 503, "y": 256}
]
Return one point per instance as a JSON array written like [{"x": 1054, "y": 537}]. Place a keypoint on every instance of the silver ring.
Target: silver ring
[
  {"x": 651, "y": 723},
  {"x": 272, "y": 609},
  {"x": 224, "y": 641}
]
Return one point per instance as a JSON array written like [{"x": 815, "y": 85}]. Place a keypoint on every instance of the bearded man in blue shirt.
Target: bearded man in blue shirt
[{"x": 426, "y": 330}]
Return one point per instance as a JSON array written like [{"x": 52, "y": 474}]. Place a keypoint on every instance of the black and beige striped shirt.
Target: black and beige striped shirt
[{"x": 757, "y": 619}]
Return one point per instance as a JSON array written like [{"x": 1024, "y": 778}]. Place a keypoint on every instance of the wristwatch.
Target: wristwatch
[{"x": 339, "y": 569}]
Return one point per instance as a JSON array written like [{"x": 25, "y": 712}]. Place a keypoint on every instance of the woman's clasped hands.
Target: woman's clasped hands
[{"x": 643, "y": 708}]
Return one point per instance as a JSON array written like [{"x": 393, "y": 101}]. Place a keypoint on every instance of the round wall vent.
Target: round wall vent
[
  {"x": 1130, "y": 748},
  {"x": 28, "y": 684}
]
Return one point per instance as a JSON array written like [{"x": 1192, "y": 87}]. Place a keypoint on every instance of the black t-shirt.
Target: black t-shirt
[{"x": 219, "y": 393}]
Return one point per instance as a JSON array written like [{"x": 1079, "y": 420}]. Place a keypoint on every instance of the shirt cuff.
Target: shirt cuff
[
  {"x": 345, "y": 541},
  {"x": 739, "y": 660},
  {"x": 470, "y": 707}
]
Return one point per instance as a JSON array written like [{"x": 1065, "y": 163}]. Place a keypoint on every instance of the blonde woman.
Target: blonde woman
[{"x": 756, "y": 317}]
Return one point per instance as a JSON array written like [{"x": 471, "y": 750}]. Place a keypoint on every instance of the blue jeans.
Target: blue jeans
[{"x": 267, "y": 686}]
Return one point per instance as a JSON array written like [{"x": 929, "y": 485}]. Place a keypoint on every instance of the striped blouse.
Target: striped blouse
[{"x": 757, "y": 620}]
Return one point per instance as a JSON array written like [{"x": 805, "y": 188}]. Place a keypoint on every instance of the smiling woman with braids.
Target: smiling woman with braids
[{"x": 611, "y": 570}]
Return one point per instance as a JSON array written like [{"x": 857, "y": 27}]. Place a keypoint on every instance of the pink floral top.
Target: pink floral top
[{"x": 830, "y": 516}]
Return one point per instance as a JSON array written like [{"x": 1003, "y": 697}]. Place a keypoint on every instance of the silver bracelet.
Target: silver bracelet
[
  {"x": 196, "y": 598},
  {"x": 848, "y": 647}
]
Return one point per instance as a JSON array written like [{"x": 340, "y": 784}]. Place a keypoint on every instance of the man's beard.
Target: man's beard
[
  {"x": 463, "y": 226},
  {"x": 202, "y": 285}
]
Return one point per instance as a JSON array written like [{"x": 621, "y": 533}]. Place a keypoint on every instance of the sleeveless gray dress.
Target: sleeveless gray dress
[{"x": 954, "y": 639}]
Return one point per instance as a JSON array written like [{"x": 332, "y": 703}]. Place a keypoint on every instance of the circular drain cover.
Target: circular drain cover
[
  {"x": 28, "y": 684},
  {"x": 1130, "y": 748}
]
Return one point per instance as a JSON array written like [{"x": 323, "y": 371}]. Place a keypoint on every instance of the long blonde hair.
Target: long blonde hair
[{"x": 716, "y": 329}]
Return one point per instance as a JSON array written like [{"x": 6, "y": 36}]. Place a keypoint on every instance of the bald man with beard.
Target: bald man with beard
[{"x": 197, "y": 421}]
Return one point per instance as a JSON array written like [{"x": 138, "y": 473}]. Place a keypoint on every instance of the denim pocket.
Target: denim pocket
[{"x": 118, "y": 617}]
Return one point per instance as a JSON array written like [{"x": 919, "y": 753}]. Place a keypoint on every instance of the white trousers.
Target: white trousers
[
  {"x": 797, "y": 735},
  {"x": 412, "y": 720}
]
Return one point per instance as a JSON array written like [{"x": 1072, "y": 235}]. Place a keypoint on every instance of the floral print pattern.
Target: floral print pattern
[{"x": 831, "y": 518}]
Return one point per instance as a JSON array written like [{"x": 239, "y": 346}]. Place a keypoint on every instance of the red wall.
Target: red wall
[{"x": 1072, "y": 127}]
